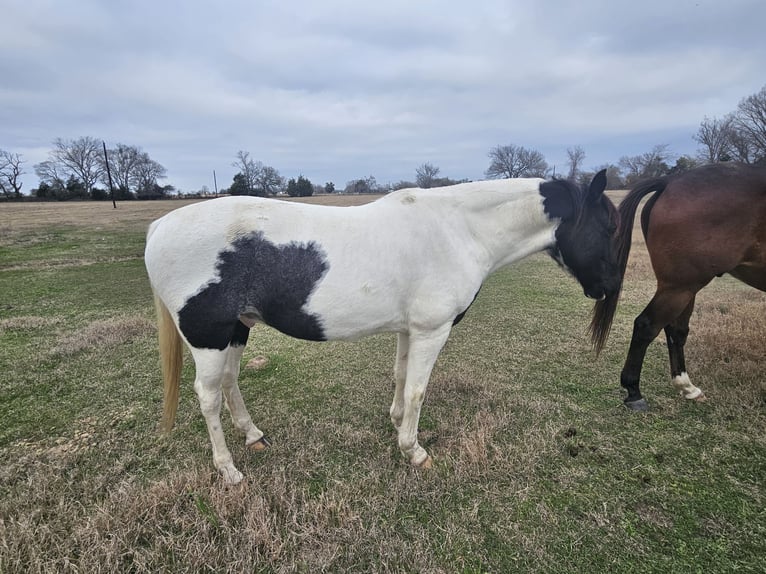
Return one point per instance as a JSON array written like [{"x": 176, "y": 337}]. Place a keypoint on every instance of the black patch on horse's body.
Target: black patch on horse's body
[
  {"x": 558, "y": 198},
  {"x": 259, "y": 280},
  {"x": 240, "y": 334}
]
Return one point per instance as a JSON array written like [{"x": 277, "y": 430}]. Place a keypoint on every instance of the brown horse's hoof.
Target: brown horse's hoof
[
  {"x": 261, "y": 444},
  {"x": 426, "y": 464}
]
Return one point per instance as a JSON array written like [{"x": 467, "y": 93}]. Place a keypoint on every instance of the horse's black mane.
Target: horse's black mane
[{"x": 577, "y": 193}]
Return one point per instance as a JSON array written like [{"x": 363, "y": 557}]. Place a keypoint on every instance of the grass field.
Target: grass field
[{"x": 538, "y": 466}]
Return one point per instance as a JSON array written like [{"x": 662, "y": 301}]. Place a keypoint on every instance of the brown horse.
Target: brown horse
[{"x": 698, "y": 225}]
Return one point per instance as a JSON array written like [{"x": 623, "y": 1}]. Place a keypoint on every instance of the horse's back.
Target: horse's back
[{"x": 707, "y": 222}]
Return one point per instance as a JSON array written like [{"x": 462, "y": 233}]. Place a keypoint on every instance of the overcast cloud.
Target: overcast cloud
[{"x": 338, "y": 90}]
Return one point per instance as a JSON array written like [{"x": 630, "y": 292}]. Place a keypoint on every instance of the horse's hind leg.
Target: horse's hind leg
[
  {"x": 400, "y": 373},
  {"x": 254, "y": 438},
  {"x": 210, "y": 366},
  {"x": 665, "y": 307},
  {"x": 676, "y": 334}
]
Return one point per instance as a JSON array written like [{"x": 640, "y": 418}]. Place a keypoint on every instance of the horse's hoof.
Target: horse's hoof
[
  {"x": 426, "y": 464},
  {"x": 261, "y": 444},
  {"x": 231, "y": 476},
  {"x": 701, "y": 398},
  {"x": 640, "y": 405}
]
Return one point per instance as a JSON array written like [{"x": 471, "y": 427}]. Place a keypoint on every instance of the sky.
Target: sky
[{"x": 341, "y": 90}]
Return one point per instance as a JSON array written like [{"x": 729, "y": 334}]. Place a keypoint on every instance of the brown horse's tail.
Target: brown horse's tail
[
  {"x": 603, "y": 311},
  {"x": 171, "y": 357}
]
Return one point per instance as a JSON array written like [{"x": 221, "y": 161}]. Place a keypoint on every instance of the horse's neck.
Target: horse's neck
[{"x": 510, "y": 226}]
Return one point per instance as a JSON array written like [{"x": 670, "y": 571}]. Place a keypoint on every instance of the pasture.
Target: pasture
[{"x": 538, "y": 466}]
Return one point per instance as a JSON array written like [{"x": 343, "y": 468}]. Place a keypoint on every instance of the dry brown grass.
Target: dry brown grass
[
  {"x": 17, "y": 217},
  {"x": 102, "y": 334},
  {"x": 101, "y": 215}
]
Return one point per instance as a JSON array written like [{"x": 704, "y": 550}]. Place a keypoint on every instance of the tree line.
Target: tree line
[
  {"x": 79, "y": 169},
  {"x": 82, "y": 169}
]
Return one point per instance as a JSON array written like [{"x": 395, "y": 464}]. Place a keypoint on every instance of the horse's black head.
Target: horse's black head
[{"x": 585, "y": 237}]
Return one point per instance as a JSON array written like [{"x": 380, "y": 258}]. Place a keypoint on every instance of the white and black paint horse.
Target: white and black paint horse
[{"x": 410, "y": 263}]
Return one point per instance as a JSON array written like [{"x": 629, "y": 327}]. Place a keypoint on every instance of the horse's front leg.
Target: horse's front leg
[
  {"x": 676, "y": 334},
  {"x": 400, "y": 374},
  {"x": 424, "y": 348}
]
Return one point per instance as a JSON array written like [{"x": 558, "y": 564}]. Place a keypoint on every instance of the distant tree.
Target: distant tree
[
  {"x": 247, "y": 172},
  {"x": 366, "y": 185},
  {"x": 134, "y": 173},
  {"x": 51, "y": 174},
  {"x": 239, "y": 186},
  {"x": 613, "y": 177},
  {"x": 716, "y": 136},
  {"x": 329, "y": 187},
  {"x": 10, "y": 174},
  {"x": 44, "y": 191},
  {"x": 426, "y": 175},
  {"x": 81, "y": 159},
  {"x": 75, "y": 189},
  {"x": 260, "y": 179},
  {"x": 576, "y": 156},
  {"x": 300, "y": 187},
  {"x": 267, "y": 180},
  {"x": 684, "y": 163},
  {"x": 516, "y": 161},
  {"x": 750, "y": 122},
  {"x": 123, "y": 160},
  {"x": 157, "y": 191},
  {"x": 649, "y": 164},
  {"x": 403, "y": 185},
  {"x": 147, "y": 172},
  {"x": 58, "y": 189}
]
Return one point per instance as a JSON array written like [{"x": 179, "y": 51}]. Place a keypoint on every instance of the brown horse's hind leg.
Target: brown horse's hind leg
[
  {"x": 664, "y": 308},
  {"x": 676, "y": 334}
]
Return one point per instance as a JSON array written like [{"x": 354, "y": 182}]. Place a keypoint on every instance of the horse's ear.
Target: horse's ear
[{"x": 597, "y": 186}]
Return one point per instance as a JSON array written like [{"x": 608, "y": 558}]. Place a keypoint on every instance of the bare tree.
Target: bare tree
[
  {"x": 750, "y": 122},
  {"x": 516, "y": 161},
  {"x": 10, "y": 174},
  {"x": 124, "y": 161},
  {"x": 246, "y": 167},
  {"x": 426, "y": 175},
  {"x": 81, "y": 159},
  {"x": 576, "y": 156},
  {"x": 51, "y": 173},
  {"x": 259, "y": 179},
  {"x": 268, "y": 180},
  {"x": 715, "y": 136},
  {"x": 145, "y": 175},
  {"x": 366, "y": 185},
  {"x": 742, "y": 147},
  {"x": 649, "y": 164}
]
